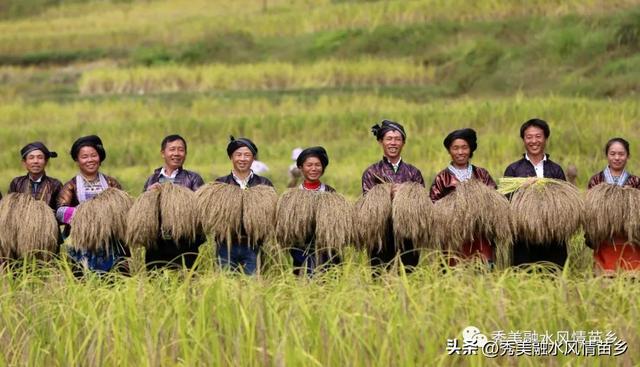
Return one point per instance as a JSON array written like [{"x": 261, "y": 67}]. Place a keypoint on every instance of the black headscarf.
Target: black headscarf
[
  {"x": 468, "y": 135},
  {"x": 318, "y": 152},
  {"x": 37, "y": 145},
  {"x": 235, "y": 144},
  {"x": 385, "y": 126},
  {"x": 93, "y": 141}
]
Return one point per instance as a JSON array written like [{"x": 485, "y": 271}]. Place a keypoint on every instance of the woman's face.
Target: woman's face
[
  {"x": 617, "y": 156},
  {"x": 460, "y": 151},
  {"x": 88, "y": 161},
  {"x": 312, "y": 169}
]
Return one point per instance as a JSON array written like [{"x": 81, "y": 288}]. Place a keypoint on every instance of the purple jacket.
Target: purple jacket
[
  {"x": 382, "y": 172},
  {"x": 524, "y": 168},
  {"x": 188, "y": 179}
]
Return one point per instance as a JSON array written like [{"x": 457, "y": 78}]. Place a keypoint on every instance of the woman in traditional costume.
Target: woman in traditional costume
[
  {"x": 461, "y": 144},
  {"x": 88, "y": 152},
  {"x": 312, "y": 163},
  {"x": 616, "y": 253}
]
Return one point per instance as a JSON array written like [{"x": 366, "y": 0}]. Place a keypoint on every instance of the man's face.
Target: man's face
[
  {"x": 174, "y": 154},
  {"x": 392, "y": 144},
  {"x": 242, "y": 158},
  {"x": 534, "y": 141},
  {"x": 35, "y": 162}
]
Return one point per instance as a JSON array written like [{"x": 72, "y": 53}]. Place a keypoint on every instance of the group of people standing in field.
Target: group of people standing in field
[{"x": 89, "y": 153}]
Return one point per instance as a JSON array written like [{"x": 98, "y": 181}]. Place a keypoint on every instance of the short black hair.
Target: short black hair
[
  {"x": 542, "y": 124},
  {"x": 171, "y": 138},
  {"x": 622, "y": 141}
]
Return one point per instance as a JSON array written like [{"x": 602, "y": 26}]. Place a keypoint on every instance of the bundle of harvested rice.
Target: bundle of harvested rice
[
  {"x": 178, "y": 217},
  {"x": 372, "y": 217},
  {"x": 38, "y": 234},
  {"x": 219, "y": 207},
  {"x": 143, "y": 220},
  {"x": 611, "y": 210},
  {"x": 99, "y": 222},
  {"x": 334, "y": 221},
  {"x": 474, "y": 210},
  {"x": 544, "y": 211},
  {"x": 296, "y": 217},
  {"x": 413, "y": 215},
  {"x": 259, "y": 212},
  {"x": 28, "y": 228}
]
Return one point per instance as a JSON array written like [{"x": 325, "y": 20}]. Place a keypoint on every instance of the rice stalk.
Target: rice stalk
[
  {"x": 259, "y": 213},
  {"x": 178, "y": 215},
  {"x": 611, "y": 210},
  {"x": 143, "y": 220},
  {"x": 296, "y": 217}
]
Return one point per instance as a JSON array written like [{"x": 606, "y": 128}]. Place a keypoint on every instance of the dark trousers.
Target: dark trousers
[
  {"x": 171, "y": 254},
  {"x": 524, "y": 253},
  {"x": 308, "y": 261},
  {"x": 409, "y": 256}
]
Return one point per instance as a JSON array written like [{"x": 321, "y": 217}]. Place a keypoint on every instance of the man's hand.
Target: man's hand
[{"x": 155, "y": 186}]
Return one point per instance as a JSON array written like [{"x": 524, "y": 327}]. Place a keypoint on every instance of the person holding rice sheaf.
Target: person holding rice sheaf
[
  {"x": 35, "y": 157},
  {"x": 89, "y": 153},
  {"x": 461, "y": 144},
  {"x": 391, "y": 169},
  {"x": 312, "y": 163},
  {"x": 536, "y": 163},
  {"x": 173, "y": 149},
  {"x": 240, "y": 253},
  {"x": 616, "y": 252}
]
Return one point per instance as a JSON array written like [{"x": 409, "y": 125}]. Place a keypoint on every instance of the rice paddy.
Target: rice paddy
[{"x": 305, "y": 73}]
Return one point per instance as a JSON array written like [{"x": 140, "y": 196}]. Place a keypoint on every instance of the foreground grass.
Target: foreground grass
[{"x": 343, "y": 317}]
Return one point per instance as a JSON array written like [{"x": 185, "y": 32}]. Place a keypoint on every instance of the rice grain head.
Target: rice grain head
[
  {"x": 38, "y": 233},
  {"x": 296, "y": 217},
  {"x": 143, "y": 220},
  {"x": 547, "y": 211},
  {"x": 334, "y": 222},
  {"x": 259, "y": 213},
  {"x": 219, "y": 207},
  {"x": 372, "y": 217},
  {"x": 474, "y": 210},
  {"x": 178, "y": 213},
  {"x": 101, "y": 221},
  {"x": 611, "y": 210},
  {"x": 413, "y": 215}
]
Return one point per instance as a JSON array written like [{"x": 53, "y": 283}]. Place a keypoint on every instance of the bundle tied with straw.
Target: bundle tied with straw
[
  {"x": 101, "y": 221},
  {"x": 543, "y": 210},
  {"x": 612, "y": 210},
  {"x": 228, "y": 212},
  {"x": 474, "y": 210},
  {"x": 372, "y": 217},
  {"x": 296, "y": 217},
  {"x": 28, "y": 228},
  {"x": 413, "y": 215}
]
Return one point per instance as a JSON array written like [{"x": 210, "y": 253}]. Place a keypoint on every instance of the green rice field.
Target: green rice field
[{"x": 299, "y": 73}]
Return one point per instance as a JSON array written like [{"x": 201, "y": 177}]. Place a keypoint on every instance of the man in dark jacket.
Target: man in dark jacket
[
  {"x": 536, "y": 163},
  {"x": 168, "y": 252},
  {"x": 240, "y": 253},
  {"x": 35, "y": 157},
  {"x": 391, "y": 169}
]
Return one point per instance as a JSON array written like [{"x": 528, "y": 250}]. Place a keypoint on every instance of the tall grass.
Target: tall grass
[{"x": 341, "y": 317}]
